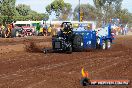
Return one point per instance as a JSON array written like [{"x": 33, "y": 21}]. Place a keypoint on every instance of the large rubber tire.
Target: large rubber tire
[
  {"x": 108, "y": 44},
  {"x": 78, "y": 43},
  {"x": 15, "y": 33}
]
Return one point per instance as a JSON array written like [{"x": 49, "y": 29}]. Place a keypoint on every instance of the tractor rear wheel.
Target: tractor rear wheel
[
  {"x": 78, "y": 43},
  {"x": 15, "y": 33}
]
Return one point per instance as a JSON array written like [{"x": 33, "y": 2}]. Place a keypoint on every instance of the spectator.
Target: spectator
[
  {"x": 49, "y": 30},
  {"x": 125, "y": 29}
]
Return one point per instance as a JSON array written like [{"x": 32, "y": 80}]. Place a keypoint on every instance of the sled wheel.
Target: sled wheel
[
  {"x": 78, "y": 43},
  {"x": 45, "y": 51}
]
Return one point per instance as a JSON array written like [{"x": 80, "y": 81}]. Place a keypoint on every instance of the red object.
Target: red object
[{"x": 28, "y": 31}]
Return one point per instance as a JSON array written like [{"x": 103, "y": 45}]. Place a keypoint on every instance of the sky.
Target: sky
[{"x": 39, "y": 5}]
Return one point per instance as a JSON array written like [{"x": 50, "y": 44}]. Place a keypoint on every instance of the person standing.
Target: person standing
[
  {"x": 125, "y": 29},
  {"x": 38, "y": 28},
  {"x": 49, "y": 30},
  {"x": 0, "y": 30}
]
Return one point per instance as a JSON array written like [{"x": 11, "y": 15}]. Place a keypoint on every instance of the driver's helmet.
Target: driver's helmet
[{"x": 66, "y": 25}]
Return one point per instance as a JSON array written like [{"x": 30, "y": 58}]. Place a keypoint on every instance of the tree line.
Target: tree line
[
  {"x": 102, "y": 10},
  {"x": 9, "y": 12}
]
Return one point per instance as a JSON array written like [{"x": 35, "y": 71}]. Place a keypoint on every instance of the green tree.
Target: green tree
[
  {"x": 23, "y": 9},
  {"x": 108, "y": 8},
  {"x": 99, "y": 3},
  {"x": 125, "y": 16},
  {"x": 9, "y": 12},
  {"x": 61, "y": 9},
  {"x": 27, "y": 14},
  {"x": 90, "y": 12},
  {"x": 33, "y": 15},
  {"x": 7, "y": 9}
]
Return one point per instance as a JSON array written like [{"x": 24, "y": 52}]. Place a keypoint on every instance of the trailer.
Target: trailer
[{"x": 71, "y": 39}]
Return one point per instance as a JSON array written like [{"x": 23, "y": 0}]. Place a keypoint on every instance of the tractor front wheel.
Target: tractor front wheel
[
  {"x": 104, "y": 45},
  {"x": 108, "y": 44}
]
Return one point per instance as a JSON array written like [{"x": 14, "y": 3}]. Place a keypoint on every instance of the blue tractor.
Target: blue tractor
[{"x": 79, "y": 39}]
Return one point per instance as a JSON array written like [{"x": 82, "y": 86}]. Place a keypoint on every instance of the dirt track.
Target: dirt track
[{"x": 20, "y": 69}]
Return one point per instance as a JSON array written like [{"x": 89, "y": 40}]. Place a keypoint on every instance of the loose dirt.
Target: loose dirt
[{"x": 23, "y": 64}]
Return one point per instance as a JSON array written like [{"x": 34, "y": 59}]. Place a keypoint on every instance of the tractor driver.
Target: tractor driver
[
  {"x": 66, "y": 28},
  {"x": 66, "y": 31}
]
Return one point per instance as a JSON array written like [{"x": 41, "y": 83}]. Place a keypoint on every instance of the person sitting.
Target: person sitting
[{"x": 66, "y": 32}]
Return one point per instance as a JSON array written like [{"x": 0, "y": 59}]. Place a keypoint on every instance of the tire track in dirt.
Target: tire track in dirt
[
  {"x": 36, "y": 77},
  {"x": 75, "y": 60},
  {"x": 91, "y": 72},
  {"x": 43, "y": 68},
  {"x": 58, "y": 65}
]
